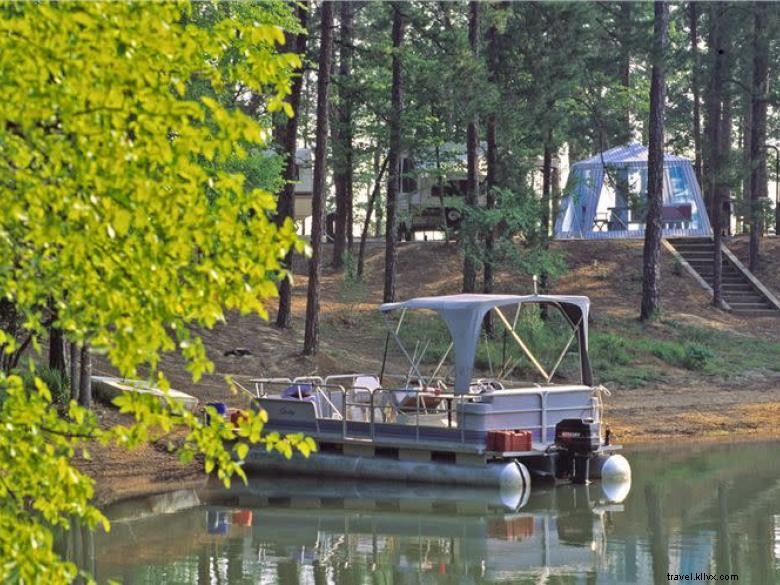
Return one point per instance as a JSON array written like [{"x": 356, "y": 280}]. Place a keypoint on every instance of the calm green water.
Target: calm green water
[{"x": 696, "y": 509}]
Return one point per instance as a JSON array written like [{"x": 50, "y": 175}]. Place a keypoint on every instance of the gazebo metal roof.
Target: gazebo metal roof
[{"x": 626, "y": 155}]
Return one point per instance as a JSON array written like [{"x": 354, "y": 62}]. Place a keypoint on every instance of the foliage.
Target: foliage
[
  {"x": 681, "y": 354},
  {"x": 131, "y": 213},
  {"x": 41, "y": 489},
  {"x": 515, "y": 225},
  {"x": 625, "y": 354},
  {"x": 105, "y": 165},
  {"x": 54, "y": 381},
  {"x": 697, "y": 356},
  {"x": 39, "y": 486},
  {"x": 732, "y": 354},
  {"x": 609, "y": 348}
]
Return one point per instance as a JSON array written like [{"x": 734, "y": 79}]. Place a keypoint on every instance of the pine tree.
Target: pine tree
[
  {"x": 394, "y": 158},
  {"x": 288, "y": 131},
  {"x": 693, "y": 15},
  {"x": 758, "y": 133},
  {"x": 470, "y": 236},
  {"x": 343, "y": 159},
  {"x": 655, "y": 167},
  {"x": 312, "y": 328}
]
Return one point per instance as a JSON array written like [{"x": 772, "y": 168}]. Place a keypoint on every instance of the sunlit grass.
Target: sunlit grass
[{"x": 623, "y": 352}]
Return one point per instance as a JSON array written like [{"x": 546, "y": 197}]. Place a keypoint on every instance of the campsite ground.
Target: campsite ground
[{"x": 695, "y": 373}]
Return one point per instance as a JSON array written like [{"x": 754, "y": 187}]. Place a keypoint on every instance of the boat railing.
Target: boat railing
[
  {"x": 261, "y": 383},
  {"x": 379, "y": 404},
  {"x": 378, "y": 399},
  {"x": 376, "y": 403},
  {"x": 319, "y": 388}
]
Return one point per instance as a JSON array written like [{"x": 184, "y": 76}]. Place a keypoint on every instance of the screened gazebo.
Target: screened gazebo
[{"x": 606, "y": 197}]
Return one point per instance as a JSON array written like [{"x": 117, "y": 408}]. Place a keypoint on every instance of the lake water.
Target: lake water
[{"x": 706, "y": 509}]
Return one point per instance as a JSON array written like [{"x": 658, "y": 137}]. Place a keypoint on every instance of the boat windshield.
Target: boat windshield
[{"x": 461, "y": 342}]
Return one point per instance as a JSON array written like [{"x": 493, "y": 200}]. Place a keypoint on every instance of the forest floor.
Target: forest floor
[{"x": 657, "y": 392}]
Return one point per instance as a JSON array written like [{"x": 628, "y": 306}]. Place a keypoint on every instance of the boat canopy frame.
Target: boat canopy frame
[{"x": 464, "y": 314}]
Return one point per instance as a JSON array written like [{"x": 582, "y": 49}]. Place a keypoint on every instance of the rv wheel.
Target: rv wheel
[{"x": 453, "y": 217}]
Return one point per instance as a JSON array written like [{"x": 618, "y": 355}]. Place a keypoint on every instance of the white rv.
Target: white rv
[
  {"x": 433, "y": 187},
  {"x": 304, "y": 182}
]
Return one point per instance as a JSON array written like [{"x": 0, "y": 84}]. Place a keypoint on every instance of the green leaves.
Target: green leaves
[
  {"x": 110, "y": 194},
  {"x": 39, "y": 487},
  {"x": 130, "y": 206}
]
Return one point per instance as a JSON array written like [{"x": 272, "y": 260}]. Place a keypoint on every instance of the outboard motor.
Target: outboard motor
[{"x": 578, "y": 439}]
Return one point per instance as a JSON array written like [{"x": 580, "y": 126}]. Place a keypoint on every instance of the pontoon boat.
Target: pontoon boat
[{"x": 521, "y": 403}]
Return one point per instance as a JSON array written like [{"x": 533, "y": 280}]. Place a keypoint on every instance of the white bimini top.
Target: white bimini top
[{"x": 464, "y": 314}]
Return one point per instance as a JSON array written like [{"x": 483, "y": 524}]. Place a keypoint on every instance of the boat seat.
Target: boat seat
[
  {"x": 485, "y": 386},
  {"x": 289, "y": 411},
  {"x": 363, "y": 387},
  {"x": 302, "y": 392},
  {"x": 360, "y": 394},
  {"x": 407, "y": 400}
]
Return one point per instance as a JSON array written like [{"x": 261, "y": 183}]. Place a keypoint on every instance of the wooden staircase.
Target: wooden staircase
[{"x": 742, "y": 291}]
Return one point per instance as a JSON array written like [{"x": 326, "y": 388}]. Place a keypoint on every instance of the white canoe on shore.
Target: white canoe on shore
[{"x": 106, "y": 388}]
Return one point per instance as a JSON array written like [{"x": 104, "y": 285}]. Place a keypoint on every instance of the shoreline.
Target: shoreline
[
  {"x": 115, "y": 476},
  {"x": 715, "y": 437}
]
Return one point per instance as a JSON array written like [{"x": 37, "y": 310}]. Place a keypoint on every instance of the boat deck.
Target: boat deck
[
  {"x": 402, "y": 441},
  {"x": 385, "y": 434}
]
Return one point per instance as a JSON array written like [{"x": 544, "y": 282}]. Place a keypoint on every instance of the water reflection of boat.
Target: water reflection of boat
[
  {"x": 704, "y": 508},
  {"x": 551, "y": 531},
  {"x": 376, "y": 526},
  {"x": 498, "y": 532},
  {"x": 446, "y": 417}
]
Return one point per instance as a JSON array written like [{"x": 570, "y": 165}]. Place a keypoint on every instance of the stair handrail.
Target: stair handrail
[
  {"x": 691, "y": 270},
  {"x": 751, "y": 277}
]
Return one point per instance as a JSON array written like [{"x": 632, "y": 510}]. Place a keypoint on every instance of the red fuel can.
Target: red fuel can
[{"x": 521, "y": 440}]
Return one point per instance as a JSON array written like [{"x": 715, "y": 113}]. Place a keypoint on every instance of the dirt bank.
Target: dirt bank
[{"x": 668, "y": 403}]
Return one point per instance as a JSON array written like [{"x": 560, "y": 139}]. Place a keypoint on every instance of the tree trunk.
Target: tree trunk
[
  {"x": 469, "y": 230},
  {"x": 747, "y": 108},
  {"x": 758, "y": 151},
  {"x": 625, "y": 25},
  {"x": 492, "y": 173},
  {"x": 440, "y": 186},
  {"x": 777, "y": 189},
  {"x": 544, "y": 281},
  {"x": 393, "y": 183},
  {"x": 722, "y": 193},
  {"x": 547, "y": 157},
  {"x": 712, "y": 102},
  {"x": 361, "y": 261},
  {"x": 489, "y": 276},
  {"x": 74, "y": 371},
  {"x": 85, "y": 380},
  {"x": 655, "y": 167},
  {"x": 379, "y": 220},
  {"x": 721, "y": 137},
  {"x": 694, "y": 22},
  {"x": 57, "y": 351},
  {"x": 288, "y": 135},
  {"x": 342, "y": 175},
  {"x": 555, "y": 193},
  {"x": 311, "y": 333}
]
